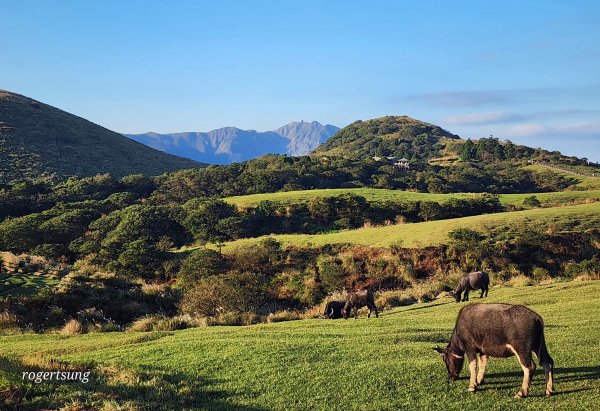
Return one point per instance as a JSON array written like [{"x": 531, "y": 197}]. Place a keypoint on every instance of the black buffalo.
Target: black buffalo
[
  {"x": 472, "y": 281},
  {"x": 334, "y": 309},
  {"x": 359, "y": 299},
  {"x": 497, "y": 330}
]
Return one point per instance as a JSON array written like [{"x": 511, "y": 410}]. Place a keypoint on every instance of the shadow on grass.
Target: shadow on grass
[
  {"x": 385, "y": 314},
  {"x": 152, "y": 389},
  {"x": 561, "y": 375}
]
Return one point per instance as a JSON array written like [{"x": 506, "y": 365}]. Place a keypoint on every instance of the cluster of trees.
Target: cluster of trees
[
  {"x": 491, "y": 149},
  {"x": 280, "y": 173},
  {"x": 135, "y": 239},
  {"x": 274, "y": 173},
  {"x": 33, "y": 196},
  {"x": 491, "y": 178}
]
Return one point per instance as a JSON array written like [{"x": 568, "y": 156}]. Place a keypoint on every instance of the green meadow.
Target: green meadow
[
  {"x": 376, "y": 364},
  {"x": 429, "y": 233},
  {"x": 376, "y": 194}
]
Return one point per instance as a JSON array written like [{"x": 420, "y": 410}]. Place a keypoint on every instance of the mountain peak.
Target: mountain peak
[
  {"x": 305, "y": 137},
  {"x": 228, "y": 144}
]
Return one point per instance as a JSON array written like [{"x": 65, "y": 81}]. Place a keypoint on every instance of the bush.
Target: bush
[
  {"x": 540, "y": 274},
  {"x": 72, "y": 327},
  {"x": 161, "y": 323},
  {"x": 234, "y": 292},
  {"x": 200, "y": 264},
  {"x": 331, "y": 273},
  {"x": 531, "y": 201},
  {"x": 587, "y": 268},
  {"x": 8, "y": 323}
]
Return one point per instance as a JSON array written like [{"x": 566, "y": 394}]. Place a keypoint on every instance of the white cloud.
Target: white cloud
[
  {"x": 532, "y": 129},
  {"x": 498, "y": 117}
]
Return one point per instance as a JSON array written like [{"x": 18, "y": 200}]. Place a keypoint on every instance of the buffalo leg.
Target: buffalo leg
[
  {"x": 528, "y": 366},
  {"x": 371, "y": 309},
  {"x": 466, "y": 297},
  {"x": 548, "y": 373},
  {"x": 482, "y": 291},
  {"x": 483, "y": 359},
  {"x": 472, "y": 357},
  {"x": 548, "y": 364}
]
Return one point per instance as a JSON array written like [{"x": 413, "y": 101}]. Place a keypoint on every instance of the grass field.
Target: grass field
[
  {"x": 375, "y": 194},
  {"x": 376, "y": 364},
  {"x": 435, "y": 232}
]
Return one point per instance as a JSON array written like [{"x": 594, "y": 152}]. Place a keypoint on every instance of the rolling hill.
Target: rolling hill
[
  {"x": 399, "y": 136},
  {"x": 37, "y": 139},
  {"x": 231, "y": 144}
]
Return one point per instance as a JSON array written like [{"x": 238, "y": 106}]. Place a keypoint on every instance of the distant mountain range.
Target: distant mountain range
[
  {"x": 40, "y": 140},
  {"x": 230, "y": 144}
]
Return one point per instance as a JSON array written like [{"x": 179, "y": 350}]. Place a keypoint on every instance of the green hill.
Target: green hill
[
  {"x": 377, "y": 194},
  {"x": 399, "y": 136},
  {"x": 405, "y": 137},
  {"x": 418, "y": 235},
  {"x": 39, "y": 140},
  {"x": 376, "y": 364}
]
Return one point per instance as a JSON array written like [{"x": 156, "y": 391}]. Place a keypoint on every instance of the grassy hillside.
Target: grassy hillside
[
  {"x": 435, "y": 232},
  {"x": 585, "y": 182},
  {"x": 375, "y": 194},
  {"x": 377, "y": 364},
  {"x": 37, "y": 139}
]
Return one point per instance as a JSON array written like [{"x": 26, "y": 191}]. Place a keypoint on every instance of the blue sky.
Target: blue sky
[{"x": 528, "y": 71}]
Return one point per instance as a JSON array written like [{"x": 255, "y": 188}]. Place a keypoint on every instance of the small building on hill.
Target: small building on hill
[{"x": 402, "y": 163}]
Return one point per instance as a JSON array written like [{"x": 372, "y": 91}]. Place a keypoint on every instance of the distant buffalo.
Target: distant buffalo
[
  {"x": 497, "y": 330},
  {"x": 334, "y": 309},
  {"x": 472, "y": 281},
  {"x": 359, "y": 299}
]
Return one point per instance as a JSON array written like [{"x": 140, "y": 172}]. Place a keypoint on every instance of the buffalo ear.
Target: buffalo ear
[{"x": 441, "y": 350}]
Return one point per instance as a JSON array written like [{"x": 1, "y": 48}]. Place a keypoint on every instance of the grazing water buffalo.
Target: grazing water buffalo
[
  {"x": 334, "y": 309},
  {"x": 472, "y": 281},
  {"x": 497, "y": 330},
  {"x": 358, "y": 300}
]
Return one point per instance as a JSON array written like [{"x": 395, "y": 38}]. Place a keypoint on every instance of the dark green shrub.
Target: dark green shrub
[{"x": 200, "y": 264}]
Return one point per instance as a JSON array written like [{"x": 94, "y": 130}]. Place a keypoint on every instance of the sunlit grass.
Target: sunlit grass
[
  {"x": 376, "y": 194},
  {"x": 436, "y": 232},
  {"x": 376, "y": 364}
]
